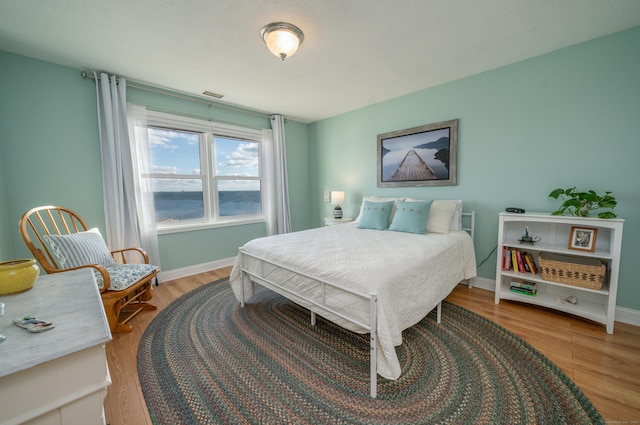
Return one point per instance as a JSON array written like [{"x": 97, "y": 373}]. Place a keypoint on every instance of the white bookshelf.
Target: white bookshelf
[{"x": 554, "y": 232}]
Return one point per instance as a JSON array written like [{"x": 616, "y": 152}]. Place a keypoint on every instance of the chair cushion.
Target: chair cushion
[
  {"x": 79, "y": 249},
  {"x": 124, "y": 275}
]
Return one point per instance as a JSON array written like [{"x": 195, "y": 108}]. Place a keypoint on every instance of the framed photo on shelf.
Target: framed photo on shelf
[
  {"x": 419, "y": 156},
  {"x": 583, "y": 238}
]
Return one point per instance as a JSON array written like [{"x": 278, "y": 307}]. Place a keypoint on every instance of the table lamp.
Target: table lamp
[{"x": 337, "y": 198}]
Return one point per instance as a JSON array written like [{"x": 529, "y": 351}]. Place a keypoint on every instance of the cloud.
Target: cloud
[
  {"x": 238, "y": 185},
  {"x": 177, "y": 185},
  {"x": 165, "y": 139},
  {"x": 246, "y": 155},
  {"x": 164, "y": 169}
]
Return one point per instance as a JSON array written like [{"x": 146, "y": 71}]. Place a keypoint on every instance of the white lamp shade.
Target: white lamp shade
[{"x": 337, "y": 198}]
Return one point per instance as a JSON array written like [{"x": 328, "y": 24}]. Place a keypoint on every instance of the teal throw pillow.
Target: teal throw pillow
[
  {"x": 375, "y": 215},
  {"x": 411, "y": 217}
]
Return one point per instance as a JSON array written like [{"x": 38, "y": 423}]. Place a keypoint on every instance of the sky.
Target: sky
[
  {"x": 178, "y": 153},
  {"x": 407, "y": 142}
]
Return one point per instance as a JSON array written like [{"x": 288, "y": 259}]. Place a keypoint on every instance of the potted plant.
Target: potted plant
[{"x": 582, "y": 203}]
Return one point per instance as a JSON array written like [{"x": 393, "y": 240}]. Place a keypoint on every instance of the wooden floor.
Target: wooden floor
[{"x": 605, "y": 367}]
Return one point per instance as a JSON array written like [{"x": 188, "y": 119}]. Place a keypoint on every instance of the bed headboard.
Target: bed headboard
[{"x": 469, "y": 223}]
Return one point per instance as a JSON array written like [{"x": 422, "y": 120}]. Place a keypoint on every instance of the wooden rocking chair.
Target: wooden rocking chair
[{"x": 61, "y": 241}]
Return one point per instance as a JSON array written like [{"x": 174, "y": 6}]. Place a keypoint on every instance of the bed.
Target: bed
[{"x": 365, "y": 279}]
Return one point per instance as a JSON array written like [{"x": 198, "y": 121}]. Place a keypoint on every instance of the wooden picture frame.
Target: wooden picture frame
[
  {"x": 419, "y": 156},
  {"x": 583, "y": 238}
]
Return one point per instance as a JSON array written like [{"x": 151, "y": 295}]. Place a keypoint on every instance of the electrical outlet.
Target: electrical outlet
[{"x": 327, "y": 196}]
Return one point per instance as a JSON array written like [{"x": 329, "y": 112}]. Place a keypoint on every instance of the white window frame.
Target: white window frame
[{"x": 208, "y": 131}]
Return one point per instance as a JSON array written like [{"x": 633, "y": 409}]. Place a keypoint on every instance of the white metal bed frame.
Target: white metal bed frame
[{"x": 371, "y": 327}]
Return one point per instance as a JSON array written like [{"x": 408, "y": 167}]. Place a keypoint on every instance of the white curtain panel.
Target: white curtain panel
[
  {"x": 269, "y": 177},
  {"x": 138, "y": 135},
  {"x": 279, "y": 220},
  {"x": 121, "y": 215}
]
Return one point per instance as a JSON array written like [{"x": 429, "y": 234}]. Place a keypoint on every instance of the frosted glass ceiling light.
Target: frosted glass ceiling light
[{"x": 282, "y": 39}]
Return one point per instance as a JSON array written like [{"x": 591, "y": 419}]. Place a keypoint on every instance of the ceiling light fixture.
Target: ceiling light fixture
[{"x": 282, "y": 39}]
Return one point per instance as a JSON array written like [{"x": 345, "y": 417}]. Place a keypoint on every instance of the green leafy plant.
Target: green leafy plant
[{"x": 582, "y": 203}]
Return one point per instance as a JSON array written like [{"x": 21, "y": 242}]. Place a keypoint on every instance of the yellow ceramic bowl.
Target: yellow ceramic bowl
[{"x": 18, "y": 275}]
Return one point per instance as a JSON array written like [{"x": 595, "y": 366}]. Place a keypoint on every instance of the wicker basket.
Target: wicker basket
[{"x": 576, "y": 271}]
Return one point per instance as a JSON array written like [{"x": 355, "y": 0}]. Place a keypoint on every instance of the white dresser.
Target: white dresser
[{"x": 59, "y": 376}]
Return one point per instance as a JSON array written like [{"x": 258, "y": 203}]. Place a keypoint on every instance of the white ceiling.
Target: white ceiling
[{"x": 355, "y": 52}]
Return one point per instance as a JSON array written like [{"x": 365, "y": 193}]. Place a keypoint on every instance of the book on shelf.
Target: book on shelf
[
  {"x": 519, "y": 261},
  {"x": 523, "y": 254},
  {"x": 522, "y": 291},
  {"x": 521, "y": 268},
  {"x": 532, "y": 286},
  {"x": 506, "y": 258},
  {"x": 531, "y": 262},
  {"x": 524, "y": 287}
]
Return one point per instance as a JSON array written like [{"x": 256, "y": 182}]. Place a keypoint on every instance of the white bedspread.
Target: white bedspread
[{"x": 409, "y": 273}]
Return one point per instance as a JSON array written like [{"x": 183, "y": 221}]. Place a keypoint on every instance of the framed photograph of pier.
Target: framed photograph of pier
[{"x": 419, "y": 156}]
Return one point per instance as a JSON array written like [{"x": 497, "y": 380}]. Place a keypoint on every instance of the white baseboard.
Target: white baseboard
[
  {"x": 623, "y": 314},
  {"x": 628, "y": 316},
  {"x": 195, "y": 269},
  {"x": 484, "y": 283}
]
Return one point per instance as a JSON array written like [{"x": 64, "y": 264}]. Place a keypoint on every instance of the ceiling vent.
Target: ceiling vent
[{"x": 212, "y": 94}]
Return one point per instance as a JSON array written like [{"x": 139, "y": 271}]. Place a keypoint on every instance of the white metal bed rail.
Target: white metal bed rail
[
  {"x": 471, "y": 229},
  {"x": 472, "y": 224},
  {"x": 372, "y": 298}
]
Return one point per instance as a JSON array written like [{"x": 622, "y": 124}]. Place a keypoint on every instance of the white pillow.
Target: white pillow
[
  {"x": 378, "y": 199},
  {"x": 441, "y": 216},
  {"x": 456, "y": 221}
]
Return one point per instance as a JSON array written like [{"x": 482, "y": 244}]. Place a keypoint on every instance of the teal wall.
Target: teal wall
[
  {"x": 49, "y": 143},
  {"x": 6, "y": 243},
  {"x": 50, "y": 154},
  {"x": 566, "y": 118}
]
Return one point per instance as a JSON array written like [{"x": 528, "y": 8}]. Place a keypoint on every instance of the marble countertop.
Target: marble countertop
[{"x": 71, "y": 301}]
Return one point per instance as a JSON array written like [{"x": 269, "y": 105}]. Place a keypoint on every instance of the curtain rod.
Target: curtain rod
[
  {"x": 200, "y": 117},
  {"x": 192, "y": 98}
]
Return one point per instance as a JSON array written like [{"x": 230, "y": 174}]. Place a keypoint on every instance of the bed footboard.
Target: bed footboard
[
  {"x": 316, "y": 307},
  {"x": 319, "y": 307}
]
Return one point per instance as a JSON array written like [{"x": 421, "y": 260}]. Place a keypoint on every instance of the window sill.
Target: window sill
[{"x": 190, "y": 227}]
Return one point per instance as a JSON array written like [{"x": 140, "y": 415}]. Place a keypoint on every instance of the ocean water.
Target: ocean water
[{"x": 175, "y": 206}]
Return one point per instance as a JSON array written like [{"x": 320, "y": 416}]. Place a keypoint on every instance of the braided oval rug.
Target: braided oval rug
[{"x": 205, "y": 360}]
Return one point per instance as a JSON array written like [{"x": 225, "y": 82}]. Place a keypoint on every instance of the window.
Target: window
[
  {"x": 237, "y": 175},
  {"x": 204, "y": 175}
]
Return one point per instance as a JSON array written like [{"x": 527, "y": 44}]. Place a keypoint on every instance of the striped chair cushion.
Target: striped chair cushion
[{"x": 79, "y": 249}]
